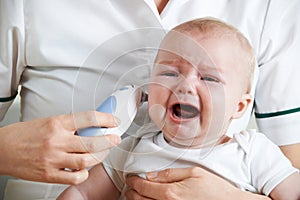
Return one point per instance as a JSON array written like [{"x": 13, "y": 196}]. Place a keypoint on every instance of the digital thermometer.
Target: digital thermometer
[{"x": 123, "y": 104}]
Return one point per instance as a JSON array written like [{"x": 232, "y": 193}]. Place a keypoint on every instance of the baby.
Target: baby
[{"x": 200, "y": 82}]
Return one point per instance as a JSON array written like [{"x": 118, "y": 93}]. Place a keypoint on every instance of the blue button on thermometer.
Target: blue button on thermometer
[{"x": 123, "y": 104}]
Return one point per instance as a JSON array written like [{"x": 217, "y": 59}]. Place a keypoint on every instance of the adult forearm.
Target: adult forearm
[{"x": 293, "y": 153}]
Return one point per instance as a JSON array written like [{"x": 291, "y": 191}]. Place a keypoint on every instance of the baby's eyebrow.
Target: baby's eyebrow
[
  {"x": 208, "y": 67},
  {"x": 170, "y": 62}
]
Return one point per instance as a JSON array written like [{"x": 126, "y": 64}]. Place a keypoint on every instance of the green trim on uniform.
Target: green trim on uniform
[
  {"x": 6, "y": 99},
  {"x": 274, "y": 114}
]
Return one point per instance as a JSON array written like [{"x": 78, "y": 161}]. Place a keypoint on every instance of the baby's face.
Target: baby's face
[{"x": 193, "y": 95}]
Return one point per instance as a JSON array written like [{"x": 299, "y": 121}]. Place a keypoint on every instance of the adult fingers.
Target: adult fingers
[
  {"x": 89, "y": 119},
  {"x": 78, "y": 144},
  {"x": 80, "y": 161},
  {"x": 175, "y": 174},
  {"x": 149, "y": 189},
  {"x": 69, "y": 177}
]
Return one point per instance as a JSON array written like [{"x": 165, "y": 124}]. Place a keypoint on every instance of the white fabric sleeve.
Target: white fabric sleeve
[
  {"x": 12, "y": 60},
  {"x": 268, "y": 165},
  {"x": 277, "y": 99}
]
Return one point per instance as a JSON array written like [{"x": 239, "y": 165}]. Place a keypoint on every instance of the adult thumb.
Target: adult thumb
[{"x": 175, "y": 174}]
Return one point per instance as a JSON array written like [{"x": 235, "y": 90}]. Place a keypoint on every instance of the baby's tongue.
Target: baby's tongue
[{"x": 185, "y": 111}]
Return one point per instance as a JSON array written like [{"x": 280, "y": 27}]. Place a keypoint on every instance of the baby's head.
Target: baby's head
[{"x": 200, "y": 82}]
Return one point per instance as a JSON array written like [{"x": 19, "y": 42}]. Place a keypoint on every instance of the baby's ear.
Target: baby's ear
[{"x": 242, "y": 106}]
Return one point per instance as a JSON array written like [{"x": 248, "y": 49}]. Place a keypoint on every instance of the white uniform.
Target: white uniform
[
  {"x": 249, "y": 161},
  {"x": 59, "y": 49}
]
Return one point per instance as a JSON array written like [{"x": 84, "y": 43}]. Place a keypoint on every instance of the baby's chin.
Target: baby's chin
[
  {"x": 181, "y": 138},
  {"x": 184, "y": 141}
]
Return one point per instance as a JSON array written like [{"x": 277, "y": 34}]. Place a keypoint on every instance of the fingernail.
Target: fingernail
[{"x": 152, "y": 175}]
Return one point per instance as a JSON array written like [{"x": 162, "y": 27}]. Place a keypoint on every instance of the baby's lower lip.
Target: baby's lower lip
[{"x": 174, "y": 118}]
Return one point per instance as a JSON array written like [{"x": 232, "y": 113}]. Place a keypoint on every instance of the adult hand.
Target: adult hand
[
  {"x": 184, "y": 183},
  {"x": 41, "y": 150}
]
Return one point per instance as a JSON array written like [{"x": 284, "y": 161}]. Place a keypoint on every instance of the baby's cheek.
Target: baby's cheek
[{"x": 157, "y": 113}]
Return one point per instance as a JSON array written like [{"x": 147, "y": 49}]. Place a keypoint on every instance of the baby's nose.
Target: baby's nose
[{"x": 186, "y": 87}]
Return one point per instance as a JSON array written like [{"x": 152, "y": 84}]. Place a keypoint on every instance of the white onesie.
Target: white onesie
[{"x": 249, "y": 160}]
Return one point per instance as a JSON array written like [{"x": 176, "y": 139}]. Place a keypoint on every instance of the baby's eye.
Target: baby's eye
[
  {"x": 171, "y": 74},
  {"x": 210, "y": 79}
]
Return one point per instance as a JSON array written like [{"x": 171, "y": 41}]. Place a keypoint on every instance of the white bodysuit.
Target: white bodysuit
[{"x": 249, "y": 160}]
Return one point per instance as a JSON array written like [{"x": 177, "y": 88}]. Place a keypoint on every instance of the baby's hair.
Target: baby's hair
[{"x": 214, "y": 28}]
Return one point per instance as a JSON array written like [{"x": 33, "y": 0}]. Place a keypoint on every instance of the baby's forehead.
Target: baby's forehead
[
  {"x": 198, "y": 49},
  {"x": 181, "y": 46},
  {"x": 175, "y": 58}
]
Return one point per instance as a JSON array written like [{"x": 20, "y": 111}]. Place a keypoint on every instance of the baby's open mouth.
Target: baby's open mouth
[{"x": 185, "y": 111}]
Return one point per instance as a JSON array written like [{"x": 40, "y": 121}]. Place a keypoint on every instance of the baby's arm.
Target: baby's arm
[
  {"x": 97, "y": 186},
  {"x": 287, "y": 189}
]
